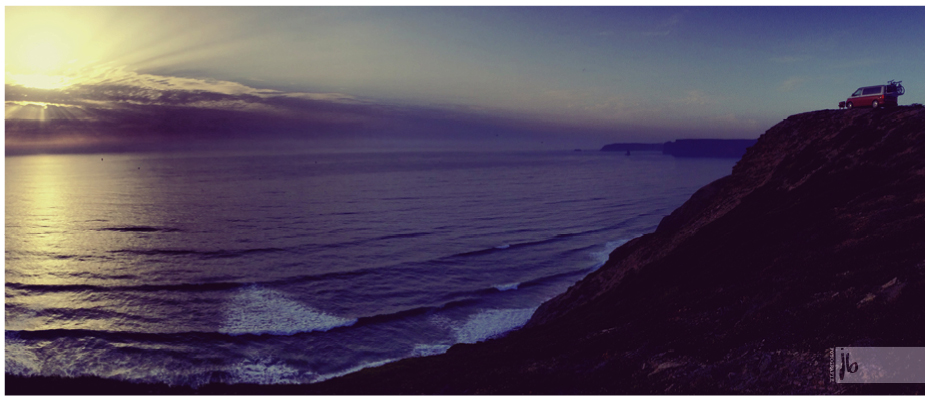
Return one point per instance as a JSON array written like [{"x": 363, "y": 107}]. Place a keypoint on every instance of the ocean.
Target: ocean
[{"x": 194, "y": 269}]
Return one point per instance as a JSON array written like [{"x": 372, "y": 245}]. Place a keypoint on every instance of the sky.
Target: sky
[{"x": 110, "y": 79}]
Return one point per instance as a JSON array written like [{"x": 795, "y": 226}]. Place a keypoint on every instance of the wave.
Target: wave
[
  {"x": 202, "y": 254},
  {"x": 565, "y": 201},
  {"x": 555, "y": 238},
  {"x": 15, "y": 255},
  {"x": 609, "y": 247},
  {"x": 254, "y": 311},
  {"x": 193, "y": 287},
  {"x": 507, "y": 286},
  {"x": 486, "y": 324},
  {"x": 429, "y": 349},
  {"x": 416, "y": 311},
  {"x": 364, "y": 241},
  {"x": 143, "y": 229},
  {"x": 503, "y": 248},
  {"x": 272, "y": 371},
  {"x": 259, "y": 310},
  {"x": 601, "y": 256},
  {"x": 184, "y": 287},
  {"x": 549, "y": 278},
  {"x": 118, "y": 336},
  {"x": 583, "y": 232},
  {"x": 403, "y": 235}
]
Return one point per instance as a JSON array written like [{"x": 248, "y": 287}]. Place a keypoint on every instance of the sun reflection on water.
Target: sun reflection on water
[
  {"x": 51, "y": 202},
  {"x": 57, "y": 207}
]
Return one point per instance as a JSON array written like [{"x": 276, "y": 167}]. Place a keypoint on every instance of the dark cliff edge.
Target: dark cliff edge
[{"x": 816, "y": 240}]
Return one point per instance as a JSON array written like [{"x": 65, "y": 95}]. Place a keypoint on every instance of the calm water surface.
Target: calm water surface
[{"x": 294, "y": 269}]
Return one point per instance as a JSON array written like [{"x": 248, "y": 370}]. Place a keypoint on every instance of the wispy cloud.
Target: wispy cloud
[
  {"x": 115, "y": 89},
  {"x": 665, "y": 27},
  {"x": 696, "y": 98},
  {"x": 791, "y": 83},
  {"x": 731, "y": 121}
]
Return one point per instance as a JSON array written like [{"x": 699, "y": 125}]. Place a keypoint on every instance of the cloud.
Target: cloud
[
  {"x": 732, "y": 122},
  {"x": 124, "y": 111},
  {"x": 110, "y": 106},
  {"x": 112, "y": 110},
  {"x": 665, "y": 27},
  {"x": 791, "y": 83},
  {"x": 696, "y": 98}
]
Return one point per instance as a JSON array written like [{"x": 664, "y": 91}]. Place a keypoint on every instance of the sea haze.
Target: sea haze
[{"x": 293, "y": 269}]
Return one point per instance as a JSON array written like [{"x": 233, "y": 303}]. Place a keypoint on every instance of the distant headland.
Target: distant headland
[{"x": 689, "y": 147}]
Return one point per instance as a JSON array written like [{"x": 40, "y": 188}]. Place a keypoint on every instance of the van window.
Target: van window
[
  {"x": 872, "y": 90},
  {"x": 857, "y": 93}
]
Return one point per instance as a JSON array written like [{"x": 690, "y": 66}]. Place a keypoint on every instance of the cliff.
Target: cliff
[{"x": 815, "y": 240}]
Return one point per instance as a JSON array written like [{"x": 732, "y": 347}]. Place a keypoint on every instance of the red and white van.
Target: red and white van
[{"x": 874, "y": 96}]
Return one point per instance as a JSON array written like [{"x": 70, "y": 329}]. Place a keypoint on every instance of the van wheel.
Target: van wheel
[
  {"x": 875, "y": 104},
  {"x": 849, "y": 105}
]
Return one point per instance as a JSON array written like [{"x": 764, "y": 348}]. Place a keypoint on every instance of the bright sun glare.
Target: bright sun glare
[
  {"x": 44, "y": 53},
  {"x": 40, "y": 49},
  {"x": 42, "y": 56},
  {"x": 40, "y": 81}
]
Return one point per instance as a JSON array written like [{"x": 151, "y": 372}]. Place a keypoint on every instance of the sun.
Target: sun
[
  {"x": 39, "y": 52},
  {"x": 42, "y": 45},
  {"x": 45, "y": 52},
  {"x": 41, "y": 60}
]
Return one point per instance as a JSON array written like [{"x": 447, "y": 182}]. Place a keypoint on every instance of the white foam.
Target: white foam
[
  {"x": 507, "y": 286},
  {"x": 429, "y": 350},
  {"x": 355, "y": 369},
  {"x": 503, "y": 246},
  {"x": 490, "y": 323},
  {"x": 268, "y": 371},
  {"x": 19, "y": 359},
  {"x": 257, "y": 310},
  {"x": 602, "y": 256}
]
